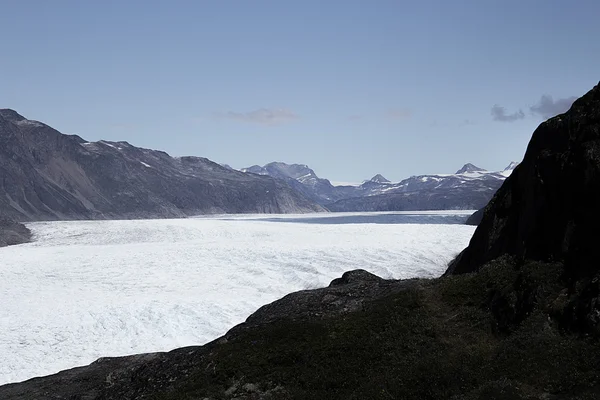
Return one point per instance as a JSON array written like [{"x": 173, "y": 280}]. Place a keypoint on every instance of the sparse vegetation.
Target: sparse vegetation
[{"x": 475, "y": 336}]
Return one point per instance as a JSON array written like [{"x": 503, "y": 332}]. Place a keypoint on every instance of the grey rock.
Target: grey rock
[{"x": 12, "y": 233}]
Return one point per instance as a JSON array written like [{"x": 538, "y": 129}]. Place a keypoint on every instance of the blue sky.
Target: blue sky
[{"x": 351, "y": 88}]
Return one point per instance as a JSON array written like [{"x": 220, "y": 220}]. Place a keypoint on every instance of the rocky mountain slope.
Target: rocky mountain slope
[
  {"x": 515, "y": 317},
  {"x": 470, "y": 187},
  {"x": 304, "y": 180},
  {"x": 45, "y": 175}
]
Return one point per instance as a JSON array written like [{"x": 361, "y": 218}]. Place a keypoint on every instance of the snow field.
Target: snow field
[{"x": 91, "y": 289}]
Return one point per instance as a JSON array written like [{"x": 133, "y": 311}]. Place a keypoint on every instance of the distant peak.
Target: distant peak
[
  {"x": 511, "y": 166},
  {"x": 379, "y": 179},
  {"x": 11, "y": 115},
  {"x": 468, "y": 167}
]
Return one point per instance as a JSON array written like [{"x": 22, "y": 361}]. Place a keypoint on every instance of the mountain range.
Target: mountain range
[
  {"x": 516, "y": 315},
  {"x": 470, "y": 187},
  {"x": 46, "y": 175}
]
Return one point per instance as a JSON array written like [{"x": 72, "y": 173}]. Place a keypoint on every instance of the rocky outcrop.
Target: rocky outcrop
[
  {"x": 548, "y": 208},
  {"x": 475, "y": 218},
  {"x": 45, "y": 175},
  {"x": 12, "y": 233}
]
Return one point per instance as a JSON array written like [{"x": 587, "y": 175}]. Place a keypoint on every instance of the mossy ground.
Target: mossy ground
[{"x": 488, "y": 335}]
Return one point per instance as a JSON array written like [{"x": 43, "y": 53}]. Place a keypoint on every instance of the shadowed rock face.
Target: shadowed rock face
[
  {"x": 45, "y": 175},
  {"x": 548, "y": 208},
  {"x": 475, "y": 218},
  {"x": 12, "y": 233}
]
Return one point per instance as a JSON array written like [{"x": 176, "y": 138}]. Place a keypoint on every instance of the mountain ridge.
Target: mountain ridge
[
  {"x": 470, "y": 188},
  {"x": 47, "y": 175}
]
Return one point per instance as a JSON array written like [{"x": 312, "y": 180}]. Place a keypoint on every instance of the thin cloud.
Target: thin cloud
[
  {"x": 499, "y": 114},
  {"x": 355, "y": 118},
  {"x": 262, "y": 116},
  {"x": 547, "y": 107},
  {"x": 399, "y": 113}
]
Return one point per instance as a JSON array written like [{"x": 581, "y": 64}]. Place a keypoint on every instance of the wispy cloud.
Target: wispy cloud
[
  {"x": 499, "y": 114},
  {"x": 466, "y": 122},
  {"x": 355, "y": 117},
  {"x": 399, "y": 113},
  {"x": 547, "y": 107},
  {"x": 262, "y": 116}
]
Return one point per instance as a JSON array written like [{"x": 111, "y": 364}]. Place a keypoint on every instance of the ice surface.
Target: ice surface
[{"x": 90, "y": 289}]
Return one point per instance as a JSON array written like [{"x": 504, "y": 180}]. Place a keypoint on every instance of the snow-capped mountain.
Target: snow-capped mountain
[
  {"x": 379, "y": 179},
  {"x": 470, "y": 187},
  {"x": 468, "y": 167},
  {"x": 303, "y": 179}
]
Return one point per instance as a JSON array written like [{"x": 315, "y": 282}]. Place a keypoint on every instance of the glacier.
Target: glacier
[{"x": 89, "y": 289}]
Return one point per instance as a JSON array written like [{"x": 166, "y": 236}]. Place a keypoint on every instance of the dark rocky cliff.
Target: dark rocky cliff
[
  {"x": 45, "y": 175},
  {"x": 548, "y": 208}
]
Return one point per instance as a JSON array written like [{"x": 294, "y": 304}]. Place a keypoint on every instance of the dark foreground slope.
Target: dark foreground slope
[
  {"x": 45, "y": 175},
  {"x": 510, "y": 326},
  {"x": 12, "y": 233},
  {"x": 472, "y": 336}
]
